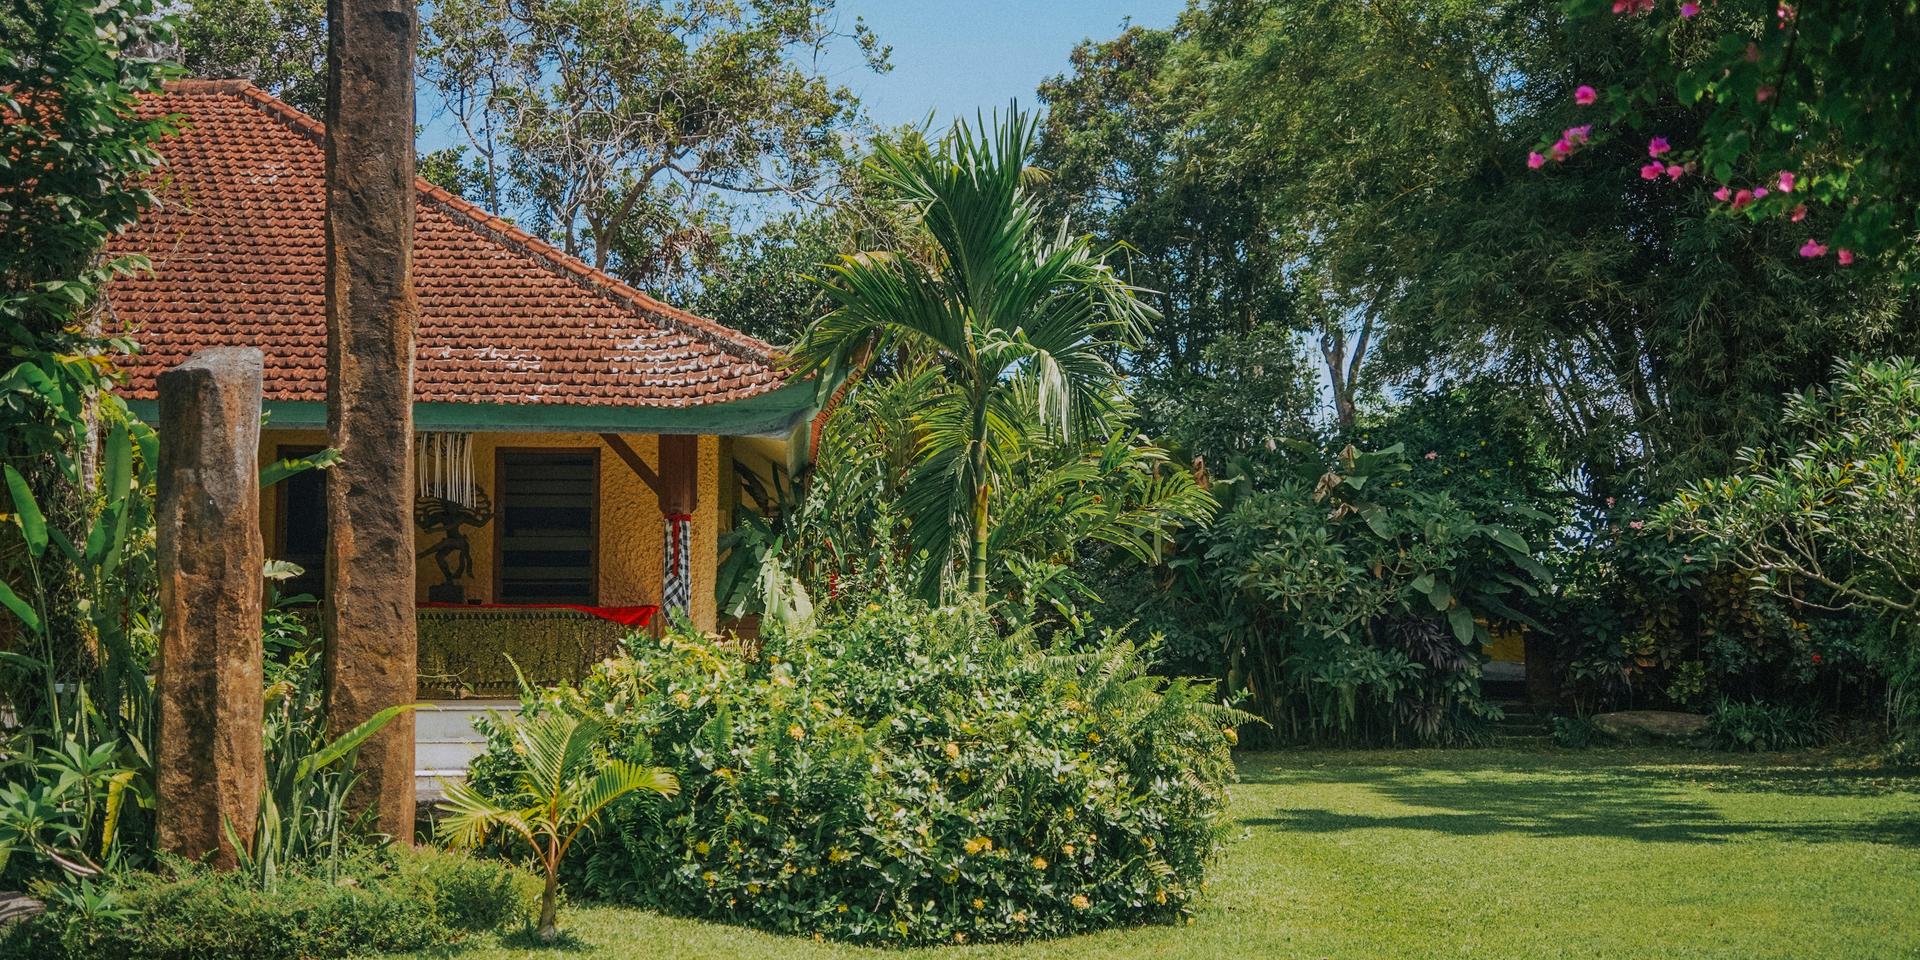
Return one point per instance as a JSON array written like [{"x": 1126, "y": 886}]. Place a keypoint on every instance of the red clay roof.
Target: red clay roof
[{"x": 239, "y": 258}]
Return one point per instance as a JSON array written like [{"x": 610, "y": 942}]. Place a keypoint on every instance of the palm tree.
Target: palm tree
[
  {"x": 558, "y": 796},
  {"x": 996, "y": 299}
]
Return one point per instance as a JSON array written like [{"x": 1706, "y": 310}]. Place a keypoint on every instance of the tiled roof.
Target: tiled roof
[{"x": 239, "y": 259}]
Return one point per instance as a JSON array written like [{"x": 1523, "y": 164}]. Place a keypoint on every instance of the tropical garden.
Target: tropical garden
[{"x": 1189, "y": 442}]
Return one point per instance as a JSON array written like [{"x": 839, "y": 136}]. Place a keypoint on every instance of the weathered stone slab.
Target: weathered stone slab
[
  {"x": 371, "y": 317},
  {"x": 1639, "y": 726},
  {"x": 208, "y": 765},
  {"x": 18, "y": 906}
]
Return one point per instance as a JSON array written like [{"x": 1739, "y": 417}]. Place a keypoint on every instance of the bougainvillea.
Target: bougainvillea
[{"x": 1807, "y": 114}]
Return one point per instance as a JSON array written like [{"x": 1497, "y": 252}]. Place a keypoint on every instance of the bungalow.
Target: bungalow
[{"x": 579, "y": 441}]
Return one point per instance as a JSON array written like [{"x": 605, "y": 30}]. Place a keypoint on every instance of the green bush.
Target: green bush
[
  {"x": 903, "y": 776},
  {"x": 1576, "y": 732},
  {"x": 396, "y": 901},
  {"x": 1763, "y": 726},
  {"x": 471, "y": 894},
  {"x": 1355, "y": 605}
]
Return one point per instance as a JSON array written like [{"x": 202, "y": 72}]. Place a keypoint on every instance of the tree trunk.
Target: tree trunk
[
  {"x": 977, "y": 566},
  {"x": 371, "y": 316},
  {"x": 549, "y": 929},
  {"x": 977, "y": 571}
]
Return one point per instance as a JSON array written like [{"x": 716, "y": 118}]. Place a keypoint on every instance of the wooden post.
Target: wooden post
[
  {"x": 371, "y": 316},
  {"x": 208, "y": 765}
]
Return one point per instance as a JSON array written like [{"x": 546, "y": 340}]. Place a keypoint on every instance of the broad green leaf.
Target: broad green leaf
[
  {"x": 1461, "y": 620},
  {"x": 280, "y": 470},
  {"x": 20, "y": 608},
  {"x": 1507, "y": 538},
  {"x": 346, "y": 743},
  {"x": 33, "y": 524}
]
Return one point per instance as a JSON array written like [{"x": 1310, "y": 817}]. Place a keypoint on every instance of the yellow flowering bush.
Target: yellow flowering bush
[{"x": 945, "y": 784}]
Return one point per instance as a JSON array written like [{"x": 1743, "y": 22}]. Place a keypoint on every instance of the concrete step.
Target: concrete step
[{"x": 445, "y": 741}]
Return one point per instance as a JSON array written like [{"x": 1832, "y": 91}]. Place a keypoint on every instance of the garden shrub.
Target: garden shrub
[
  {"x": 392, "y": 901},
  {"x": 1576, "y": 732},
  {"x": 903, "y": 775},
  {"x": 471, "y": 894},
  {"x": 1761, "y": 726},
  {"x": 1359, "y": 597},
  {"x": 1647, "y": 618}
]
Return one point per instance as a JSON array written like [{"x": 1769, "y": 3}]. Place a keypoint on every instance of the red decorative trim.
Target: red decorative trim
[{"x": 680, "y": 517}]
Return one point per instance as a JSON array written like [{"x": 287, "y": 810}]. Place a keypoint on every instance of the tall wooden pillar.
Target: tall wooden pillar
[
  {"x": 371, "y": 316},
  {"x": 208, "y": 765},
  {"x": 679, "y": 498}
]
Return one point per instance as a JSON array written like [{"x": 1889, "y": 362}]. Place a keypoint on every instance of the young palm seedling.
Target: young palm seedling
[{"x": 559, "y": 789}]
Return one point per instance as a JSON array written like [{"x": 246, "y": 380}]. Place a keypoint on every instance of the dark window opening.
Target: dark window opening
[
  {"x": 546, "y": 531},
  {"x": 303, "y": 526}
]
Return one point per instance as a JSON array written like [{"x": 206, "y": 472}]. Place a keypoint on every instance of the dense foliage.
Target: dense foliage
[
  {"x": 1799, "y": 100},
  {"x": 1359, "y": 601},
  {"x": 1016, "y": 323},
  {"x": 616, "y": 126},
  {"x": 76, "y": 578},
  {"x": 1825, "y": 519},
  {"x": 398, "y": 900},
  {"x": 903, "y": 775}
]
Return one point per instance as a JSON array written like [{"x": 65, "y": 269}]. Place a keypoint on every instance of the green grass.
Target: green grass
[{"x": 1481, "y": 853}]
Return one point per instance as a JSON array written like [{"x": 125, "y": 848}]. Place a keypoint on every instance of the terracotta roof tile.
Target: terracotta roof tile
[{"x": 239, "y": 258}]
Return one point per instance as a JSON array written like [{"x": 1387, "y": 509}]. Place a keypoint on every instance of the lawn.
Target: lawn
[{"x": 1484, "y": 853}]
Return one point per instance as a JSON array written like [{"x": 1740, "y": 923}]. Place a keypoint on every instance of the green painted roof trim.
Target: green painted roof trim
[{"x": 775, "y": 414}]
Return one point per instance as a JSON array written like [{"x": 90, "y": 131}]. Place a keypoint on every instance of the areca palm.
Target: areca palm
[
  {"x": 998, "y": 299},
  {"x": 559, "y": 790}
]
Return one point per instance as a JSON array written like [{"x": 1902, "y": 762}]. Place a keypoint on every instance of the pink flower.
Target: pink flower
[
  {"x": 1759, "y": 193},
  {"x": 1535, "y": 161},
  {"x": 1561, "y": 148},
  {"x": 1652, "y": 170},
  {"x": 1638, "y": 524},
  {"x": 1846, "y": 257},
  {"x": 1584, "y": 95},
  {"x": 1689, "y": 9},
  {"x": 1813, "y": 248},
  {"x": 1433, "y": 455},
  {"x": 1674, "y": 170},
  {"x": 1632, "y": 6},
  {"x": 1763, "y": 94},
  {"x": 1742, "y": 198},
  {"x": 1577, "y": 135},
  {"x": 1658, "y": 146},
  {"x": 1753, "y": 53},
  {"x": 1722, "y": 194},
  {"x": 1786, "y": 181},
  {"x": 1799, "y": 212}
]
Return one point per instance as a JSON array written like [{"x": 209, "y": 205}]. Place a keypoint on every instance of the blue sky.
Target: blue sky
[{"x": 950, "y": 57}]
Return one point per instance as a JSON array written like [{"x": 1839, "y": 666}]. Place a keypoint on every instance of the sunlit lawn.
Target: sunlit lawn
[{"x": 1486, "y": 853}]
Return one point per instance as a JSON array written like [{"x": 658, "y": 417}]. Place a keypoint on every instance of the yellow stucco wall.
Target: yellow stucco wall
[{"x": 632, "y": 538}]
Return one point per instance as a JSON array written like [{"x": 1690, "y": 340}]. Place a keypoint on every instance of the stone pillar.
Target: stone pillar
[
  {"x": 679, "y": 497},
  {"x": 371, "y": 316},
  {"x": 208, "y": 766}
]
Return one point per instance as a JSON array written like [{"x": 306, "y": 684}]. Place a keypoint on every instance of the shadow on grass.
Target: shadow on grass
[{"x": 1579, "y": 795}]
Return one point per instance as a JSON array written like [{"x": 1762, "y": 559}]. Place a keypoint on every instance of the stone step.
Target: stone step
[
  {"x": 445, "y": 741},
  {"x": 445, "y": 755}
]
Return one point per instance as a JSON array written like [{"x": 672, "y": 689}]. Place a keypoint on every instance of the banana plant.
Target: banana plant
[{"x": 559, "y": 791}]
